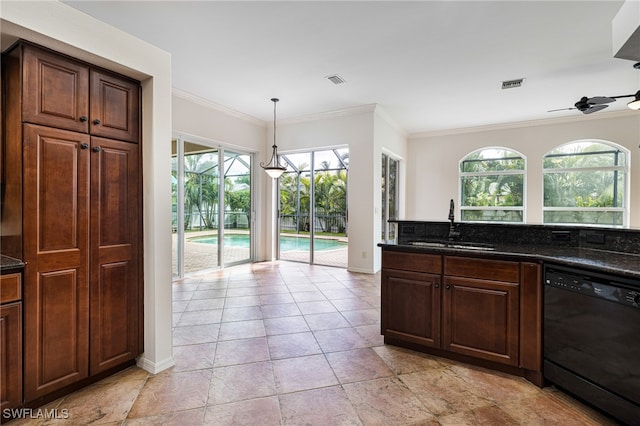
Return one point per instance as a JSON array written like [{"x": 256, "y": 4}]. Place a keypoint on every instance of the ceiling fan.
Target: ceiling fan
[{"x": 598, "y": 103}]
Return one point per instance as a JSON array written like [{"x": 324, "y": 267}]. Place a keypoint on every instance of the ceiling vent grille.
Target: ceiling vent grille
[
  {"x": 512, "y": 84},
  {"x": 335, "y": 79}
]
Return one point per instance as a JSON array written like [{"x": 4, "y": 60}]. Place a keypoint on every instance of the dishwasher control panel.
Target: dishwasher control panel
[{"x": 623, "y": 293}]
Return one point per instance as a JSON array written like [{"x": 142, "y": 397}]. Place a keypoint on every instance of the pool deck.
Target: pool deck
[{"x": 202, "y": 256}]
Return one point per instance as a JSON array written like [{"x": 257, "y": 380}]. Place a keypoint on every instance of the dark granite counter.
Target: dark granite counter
[
  {"x": 606, "y": 250},
  {"x": 10, "y": 264},
  {"x": 623, "y": 264}
]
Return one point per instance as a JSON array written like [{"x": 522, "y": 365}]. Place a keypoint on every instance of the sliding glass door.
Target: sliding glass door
[
  {"x": 211, "y": 206},
  {"x": 313, "y": 207}
]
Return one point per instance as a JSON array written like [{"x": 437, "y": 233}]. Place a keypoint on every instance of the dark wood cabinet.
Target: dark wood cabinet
[
  {"x": 115, "y": 244},
  {"x": 477, "y": 308},
  {"x": 55, "y": 89},
  {"x": 75, "y": 199},
  {"x": 115, "y": 111},
  {"x": 481, "y": 306},
  {"x": 481, "y": 319},
  {"x": 56, "y": 252},
  {"x": 412, "y": 301},
  {"x": 10, "y": 341}
]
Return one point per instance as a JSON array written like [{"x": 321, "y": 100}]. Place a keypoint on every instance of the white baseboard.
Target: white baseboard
[{"x": 155, "y": 367}]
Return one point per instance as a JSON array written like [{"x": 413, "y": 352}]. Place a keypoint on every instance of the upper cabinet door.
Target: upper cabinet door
[
  {"x": 115, "y": 107},
  {"x": 56, "y": 90}
]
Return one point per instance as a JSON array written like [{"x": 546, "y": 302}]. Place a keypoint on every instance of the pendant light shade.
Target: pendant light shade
[{"x": 273, "y": 167}]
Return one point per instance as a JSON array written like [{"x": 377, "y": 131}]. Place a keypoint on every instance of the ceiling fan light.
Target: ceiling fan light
[{"x": 634, "y": 104}]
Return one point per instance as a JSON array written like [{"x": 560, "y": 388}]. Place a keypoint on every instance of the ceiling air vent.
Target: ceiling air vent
[
  {"x": 512, "y": 84},
  {"x": 335, "y": 79}
]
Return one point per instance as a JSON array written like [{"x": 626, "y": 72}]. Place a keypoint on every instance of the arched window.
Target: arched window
[
  {"x": 585, "y": 182},
  {"x": 492, "y": 186}
]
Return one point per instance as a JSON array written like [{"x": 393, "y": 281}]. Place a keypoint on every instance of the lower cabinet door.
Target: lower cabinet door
[
  {"x": 411, "y": 307},
  {"x": 481, "y": 319},
  {"x": 10, "y": 355}
]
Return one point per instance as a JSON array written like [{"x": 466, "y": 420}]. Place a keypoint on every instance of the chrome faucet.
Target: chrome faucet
[{"x": 453, "y": 233}]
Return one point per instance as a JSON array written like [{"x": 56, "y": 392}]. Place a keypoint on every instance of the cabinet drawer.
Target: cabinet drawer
[
  {"x": 496, "y": 270},
  {"x": 10, "y": 288},
  {"x": 417, "y": 262}
]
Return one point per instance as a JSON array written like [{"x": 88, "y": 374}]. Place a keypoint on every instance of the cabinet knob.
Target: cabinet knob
[
  {"x": 84, "y": 145},
  {"x": 83, "y": 118},
  {"x": 96, "y": 121},
  {"x": 96, "y": 149},
  {"x": 437, "y": 286},
  {"x": 448, "y": 287}
]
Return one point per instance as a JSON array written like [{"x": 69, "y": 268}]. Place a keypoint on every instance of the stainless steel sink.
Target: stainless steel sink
[{"x": 454, "y": 244}]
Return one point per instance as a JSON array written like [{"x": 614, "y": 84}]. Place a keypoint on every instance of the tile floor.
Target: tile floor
[{"x": 287, "y": 343}]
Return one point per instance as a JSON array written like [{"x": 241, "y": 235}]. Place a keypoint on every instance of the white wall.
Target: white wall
[
  {"x": 391, "y": 140},
  {"x": 433, "y": 159},
  {"x": 69, "y": 31}
]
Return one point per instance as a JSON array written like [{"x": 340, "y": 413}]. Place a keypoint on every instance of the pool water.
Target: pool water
[{"x": 287, "y": 243}]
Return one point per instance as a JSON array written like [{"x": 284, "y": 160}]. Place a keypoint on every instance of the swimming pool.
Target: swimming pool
[{"x": 287, "y": 243}]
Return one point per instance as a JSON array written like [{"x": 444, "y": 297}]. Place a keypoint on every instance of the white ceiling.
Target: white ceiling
[{"x": 430, "y": 65}]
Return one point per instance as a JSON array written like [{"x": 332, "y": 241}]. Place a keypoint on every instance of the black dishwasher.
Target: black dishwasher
[{"x": 592, "y": 338}]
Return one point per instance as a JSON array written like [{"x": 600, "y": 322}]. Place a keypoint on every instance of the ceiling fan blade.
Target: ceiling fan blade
[
  {"x": 598, "y": 100},
  {"x": 594, "y": 108},
  {"x": 561, "y": 109}
]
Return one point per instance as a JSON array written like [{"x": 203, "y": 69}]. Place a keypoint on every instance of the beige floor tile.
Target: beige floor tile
[
  {"x": 195, "y": 334},
  {"x": 386, "y": 401},
  {"x": 241, "y": 330},
  {"x": 494, "y": 385},
  {"x": 483, "y": 416},
  {"x": 240, "y": 382},
  {"x": 443, "y": 392},
  {"x": 178, "y": 418},
  {"x": 194, "y": 357},
  {"x": 362, "y": 316},
  {"x": 280, "y": 310},
  {"x": 253, "y": 412},
  {"x": 241, "y": 314},
  {"x": 285, "y": 325},
  {"x": 316, "y": 307},
  {"x": 545, "y": 410},
  {"x": 242, "y": 351},
  {"x": 303, "y": 373},
  {"x": 211, "y": 316},
  {"x": 403, "y": 361},
  {"x": 358, "y": 365},
  {"x": 292, "y": 345},
  {"x": 328, "y": 321},
  {"x": 340, "y": 339},
  {"x": 324, "y": 407},
  {"x": 168, "y": 392}
]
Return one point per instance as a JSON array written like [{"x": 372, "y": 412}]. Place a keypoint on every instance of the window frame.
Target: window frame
[
  {"x": 625, "y": 169},
  {"x": 522, "y": 172}
]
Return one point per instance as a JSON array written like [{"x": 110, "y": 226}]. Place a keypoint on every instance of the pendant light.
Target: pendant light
[{"x": 273, "y": 167}]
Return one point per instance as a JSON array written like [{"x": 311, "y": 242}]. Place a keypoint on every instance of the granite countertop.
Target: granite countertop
[
  {"x": 623, "y": 264},
  {"x": 10, "y": 264}
]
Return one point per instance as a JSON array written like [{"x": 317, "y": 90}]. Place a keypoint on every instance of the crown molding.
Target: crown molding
[
  {"x": 221, "y": 108},
  {"x": 521, "y": 124},
  {"x": 329, "y": 114}
]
